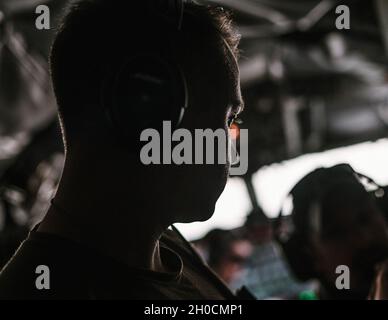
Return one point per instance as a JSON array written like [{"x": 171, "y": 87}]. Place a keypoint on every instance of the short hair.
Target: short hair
[
  {"x": 330, "y": 189},
  {"x": 95, "y": 33}
]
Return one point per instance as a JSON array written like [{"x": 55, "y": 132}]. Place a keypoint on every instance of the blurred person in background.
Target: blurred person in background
[
  {"x": 334, "y": 221},
  {"x": 225, "y": 252},
  {"x": 118, "y": 67},
  {"x": 265, "y": 272}
]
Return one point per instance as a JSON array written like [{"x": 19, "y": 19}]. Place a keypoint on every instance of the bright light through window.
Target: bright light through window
[{"x": 273, "y": 183}]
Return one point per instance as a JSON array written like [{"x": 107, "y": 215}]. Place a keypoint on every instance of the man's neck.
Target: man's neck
[
  {"x": 97, "y": 216},
  {"x": 128, "y": 242}
]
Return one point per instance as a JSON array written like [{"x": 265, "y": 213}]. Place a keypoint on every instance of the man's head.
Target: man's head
[
  {"x": 96, "y": 38},
  {"x": 336, "y": 222}
]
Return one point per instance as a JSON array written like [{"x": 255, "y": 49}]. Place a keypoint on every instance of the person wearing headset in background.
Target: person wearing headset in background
[
  {"x": 117, "y": 68},
  {"x": 334, "y": 222}
]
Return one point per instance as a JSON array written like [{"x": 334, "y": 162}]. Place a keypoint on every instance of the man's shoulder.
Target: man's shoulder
[
  {"x": 39, "y": 270},
  {"x": 48, "y": 267}
]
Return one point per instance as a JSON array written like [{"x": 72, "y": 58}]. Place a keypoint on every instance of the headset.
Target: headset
[
  {"x": 292, "y": 239},
  {"x": 148, "y": 83}
]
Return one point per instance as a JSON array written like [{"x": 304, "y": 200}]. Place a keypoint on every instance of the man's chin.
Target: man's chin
[{"x": 199, "y": 215}]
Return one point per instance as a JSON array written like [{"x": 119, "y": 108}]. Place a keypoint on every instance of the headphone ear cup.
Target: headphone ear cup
[
  {"x": 294, "y": 248},
  {"x": 146, "y": 91},
  {"x": 299, "y": 259}
]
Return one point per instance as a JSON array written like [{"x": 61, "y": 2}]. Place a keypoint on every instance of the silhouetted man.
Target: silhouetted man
[{"x": 119, "y": 67}]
